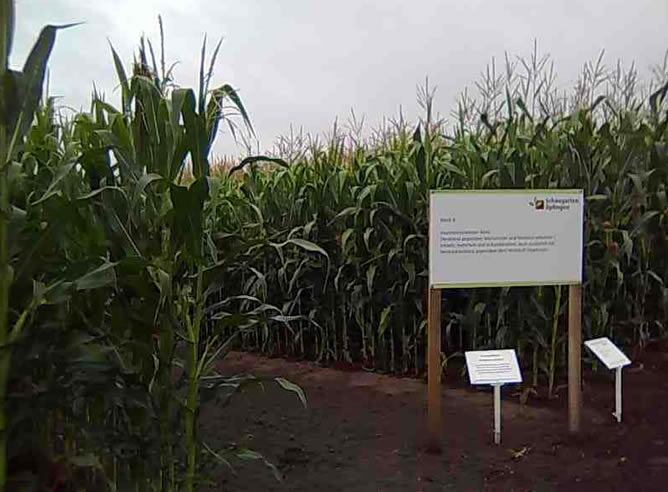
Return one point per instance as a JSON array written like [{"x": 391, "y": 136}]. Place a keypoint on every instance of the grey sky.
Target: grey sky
[{"x": 305, "y": 62}]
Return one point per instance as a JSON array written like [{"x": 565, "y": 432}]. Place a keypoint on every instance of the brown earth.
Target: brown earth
[{"x": 366, "y": 432}]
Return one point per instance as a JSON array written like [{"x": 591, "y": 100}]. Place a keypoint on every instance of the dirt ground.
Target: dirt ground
[{"x": 366, "y": 432}]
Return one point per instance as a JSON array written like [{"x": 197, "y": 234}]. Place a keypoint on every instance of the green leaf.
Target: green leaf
[
  {"x": 102, "y": 276},
  {"x": 218, "y": 456},
  {"x": 99, "y": 191},
  {"x": 286, "y": 319},
  {"x": 346, "y": 212},
  {"x": 202, "y": 82},
  {"x": 657, "y": 97},
  {"x": 196, "y": 138},
  {"x": 644, "y": 219},
  {"x": 187, "y": 213},
  {"x": 417, "y": 135},
  {"x": 345, "y": 237},
  {"x": 367, "y": 237},
  {"x": 370, "y": 274},
  {"x": 227, "y": 91},
  {"x": 122, "y": 79},
  {"x": 412, "y": 237},
  {"x": 16, "y": 214},
  {"x": 62, "y": 172},
  {"x": 57, "y": 292},
  {"x": 86, "y": 461},
  {"x": 655, "y": 277},
  {"x": 34, "y": 71},
  {"x": 307, "y": 245},
  {"x": 249, "y": 455},
  {"x": 290, "y": 386},
  {"x": 487, "y": 177},
  {"x": 143, "y": 182},
  {"x": 215, "y": 111},
  {"x": 453, "y": 169},
  {"x": 384, "y": 320},
  {"x": 421, "y": 163},
  {"x": 255, "y": 159}
]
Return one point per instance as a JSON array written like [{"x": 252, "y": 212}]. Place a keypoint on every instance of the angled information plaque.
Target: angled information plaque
[
  {"x": 613, "y": 358},
  {"x": 493, "y": 367},
  {"x": 608, "y": 352}
]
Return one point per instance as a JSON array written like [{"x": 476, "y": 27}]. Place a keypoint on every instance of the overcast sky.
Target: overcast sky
[{"x": 306, "y": 62}]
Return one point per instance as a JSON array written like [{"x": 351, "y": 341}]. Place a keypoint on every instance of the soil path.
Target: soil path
[{"x": 365, "y": 432}]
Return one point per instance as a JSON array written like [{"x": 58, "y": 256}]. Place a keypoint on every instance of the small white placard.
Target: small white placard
[
  {"x": 608, "y": 352},
  {"x": 493, "y": 367}
]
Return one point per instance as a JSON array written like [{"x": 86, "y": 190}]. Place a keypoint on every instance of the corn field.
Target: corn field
[
  {"x": 130, "y": 264},
  {"x": 358, "y": 296}
]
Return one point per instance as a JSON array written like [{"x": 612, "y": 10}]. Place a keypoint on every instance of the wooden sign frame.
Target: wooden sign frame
[{"x": 434, "y": 370}]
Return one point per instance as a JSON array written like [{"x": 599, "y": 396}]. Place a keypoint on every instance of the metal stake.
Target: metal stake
[
  {"x": 497, "y": 414},
  {"x": 618, "y": 394}
]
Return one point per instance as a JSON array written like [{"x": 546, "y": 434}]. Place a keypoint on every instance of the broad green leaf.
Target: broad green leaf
[
  {"x": 308, "y": 246},
  {"x": 642, "y": 221},
  {"x": 345, "y": 237},
  {"x": 384, "y": 320},
  {"x": 370, "y": 274},
  {"x": 346, "y": 212},
  {"x": 86, "y": 461},
  {"x": 34, "y": 71},
  {"x": 657, "y": 97},
  {"x": 143, "y": 182},
  {"x": 196, "y": 137},
  {"x": 102, "y": 276},
  {"x": 255, "y": 159},
  {"x": 290, "y": 386},
  {"x": 63, "y": 171},
  {"x": 122, "y": 79},
  {"x": 187, "y": 212},
  {"x": 99, "y": 191},
  {"x": 248, "y": 455}
]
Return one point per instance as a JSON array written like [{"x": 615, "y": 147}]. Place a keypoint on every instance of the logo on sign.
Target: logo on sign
[
  {"x": 558, "y": 204},
  {"x": 537, "y": 204}
]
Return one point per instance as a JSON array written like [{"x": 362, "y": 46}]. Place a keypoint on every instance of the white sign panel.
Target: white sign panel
[
  {"x": 505, "y": 237},
  {"x": 493, "y": 367},
  {"x": 608, "y": 352}
]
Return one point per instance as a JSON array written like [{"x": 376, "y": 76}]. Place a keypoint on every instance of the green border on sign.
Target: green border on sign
[
  {"x": 514, "y": 191},
  {"x": 474, "y": 285}
]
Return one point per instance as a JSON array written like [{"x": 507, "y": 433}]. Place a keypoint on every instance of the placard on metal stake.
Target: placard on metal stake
[
  {"x": 494, "y": 368},
  {"x": 613, "y": 358}
]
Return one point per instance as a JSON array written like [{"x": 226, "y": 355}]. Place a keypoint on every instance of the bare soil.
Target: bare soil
[{"x": 366, "y": 432}]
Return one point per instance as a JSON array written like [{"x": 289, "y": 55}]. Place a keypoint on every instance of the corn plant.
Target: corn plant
[
  {"x": 111, "y": 259},
  {"x": 20, "y": 92}
]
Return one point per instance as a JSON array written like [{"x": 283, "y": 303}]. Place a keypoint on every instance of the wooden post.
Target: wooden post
[
  {"x": 574, "y": 357},
  {"x": 434, "y": 370}
]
